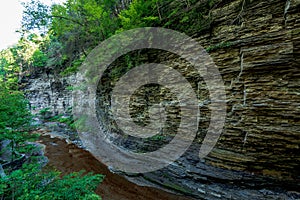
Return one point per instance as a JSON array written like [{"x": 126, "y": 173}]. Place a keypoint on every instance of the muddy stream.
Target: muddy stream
[{"x": 69, "y": 158}]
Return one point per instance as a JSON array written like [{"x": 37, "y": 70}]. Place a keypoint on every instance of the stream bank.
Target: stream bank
[
  {"x": 66, "y": 154},
  {"x": 69, "y": 158}
]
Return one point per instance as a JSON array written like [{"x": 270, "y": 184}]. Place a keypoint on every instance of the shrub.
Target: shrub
[
  {"x": 39, "y": 59},
  {"x": 30, "y": 183}
]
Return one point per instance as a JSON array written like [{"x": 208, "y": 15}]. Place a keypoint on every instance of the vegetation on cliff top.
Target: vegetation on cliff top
[{"x": 60, "y": 37}]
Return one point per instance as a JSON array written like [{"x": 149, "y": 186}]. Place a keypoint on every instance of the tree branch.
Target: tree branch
[{"x": 66, "y": 18}]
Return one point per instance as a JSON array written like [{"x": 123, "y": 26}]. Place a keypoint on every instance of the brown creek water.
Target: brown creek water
[{"x": 69, "y": 158}]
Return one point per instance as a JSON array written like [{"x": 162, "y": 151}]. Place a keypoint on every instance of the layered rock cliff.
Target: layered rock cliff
[
  {"x": 49, "y": 92},
  {"x": 256, "y": 46}
]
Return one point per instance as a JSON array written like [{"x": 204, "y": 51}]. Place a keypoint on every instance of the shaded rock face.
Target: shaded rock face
[
  {"x": 261, "y": 72},
  {"x": 256, "y": 46},
  {"x": 49, "y": 91}
]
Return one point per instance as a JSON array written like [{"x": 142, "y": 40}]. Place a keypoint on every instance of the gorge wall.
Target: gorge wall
[
  {"x": 256, "y": 46},
  {"x": 49, "y": 92}
]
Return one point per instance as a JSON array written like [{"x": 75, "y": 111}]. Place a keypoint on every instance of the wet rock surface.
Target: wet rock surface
[{"x": 62, "y": 131}]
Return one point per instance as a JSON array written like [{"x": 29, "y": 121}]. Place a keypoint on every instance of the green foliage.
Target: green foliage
[
  {"x": 13, "y": 110},
  {"x": 81, "y": 25},
  {"x": 157, "y": 137},
  {"x": 14, "y": 120},
  {"x": 139, "y": 14},
  {"x": 52, "y": 48},
  {"x": 127, "y": 62},
  {"x": 8, "y": 69},
  {"x": 39, "y": 59},
  {"x": 30, "y": 182},
  {"x": 219, "y": 46},
  {"x": 68, "y": 120},
  {"x": 22, "y": 59},
  {"x": 35, "y": 15},
  {"x": 76, "y": 27},
  {"x": 3, "y": 65},
  {"x": 74, "y": 67},
  {"x": 44, "y": 111},
  {"x": 187, "y": 16}
]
